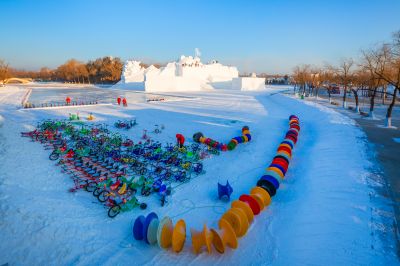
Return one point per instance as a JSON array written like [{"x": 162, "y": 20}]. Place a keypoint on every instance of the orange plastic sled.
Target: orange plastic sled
[
  {"x": 224, "y": 237},
  {"x": 164, "y": 233},
  {"x": 238, "y": 220},
  {"x": 277, "y": 170},
  {"x": 201, "y": 238},
  {"x": 245, "y": 207},
  {"x": 179, "y": 236},
  {"x": 262, "y": 196}
]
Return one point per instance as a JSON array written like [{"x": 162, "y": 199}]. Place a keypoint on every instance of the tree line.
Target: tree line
[
  {"x": 377, "y": 70},
  {"x": 105, "y": 70}
]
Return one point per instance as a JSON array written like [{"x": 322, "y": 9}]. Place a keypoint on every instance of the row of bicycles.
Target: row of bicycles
[
  {"x": 126, "y": 124},
  {"x": 117, "y": 171}
]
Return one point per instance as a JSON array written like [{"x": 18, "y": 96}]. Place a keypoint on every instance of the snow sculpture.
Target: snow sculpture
[
  {"x": 186, "y": 74},
  {"x": 132, "y": 72},
  {"x": 251, "y": 83}
]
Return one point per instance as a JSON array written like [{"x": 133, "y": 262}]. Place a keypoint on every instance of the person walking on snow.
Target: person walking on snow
[
  {"x": 68, "y": 100},
  {"x": 124, "y": 102},
  {"x": 119, "y": 100}
]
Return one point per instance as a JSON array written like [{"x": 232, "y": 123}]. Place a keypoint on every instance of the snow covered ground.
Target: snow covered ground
[{"x": 326, "y": 212}]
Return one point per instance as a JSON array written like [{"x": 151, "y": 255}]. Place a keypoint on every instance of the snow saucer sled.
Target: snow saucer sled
[
  {"x": 179, "y": 236},
  {"x": 146, "y": 228},
  {"x": 267, "y": 186},
  {"x": 238, "y": 220},
  {"x": 138, "y": 228},
  {"x": 151, "y": 224},
  {"x": 164, "y": 233},
  {"x": 274, "y": 175},
  {"x": 246, "y": 137},
  {"x": 223, "y": 237},
  {"x": 168, "y": 235},
  {"x": 253, "y": 204},
  {"x": 200, "y": 239},
  {"x": 282, "y": 163},
  {"x": 271, "y": 179},
  {"x": 262, "y": 196},
  {"x": 245, "y": 207},
  {"x": 152, "y": 231},
  {"x": 281, "y": 168}
]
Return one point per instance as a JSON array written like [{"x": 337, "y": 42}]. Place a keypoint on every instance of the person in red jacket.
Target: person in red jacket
[
  {"x": 124, "y": 102},
  {"x": 68, "y": 100},
  {"x": 70, "y": 153},
  {"x": 119, "y": 100},
  {"x": 180, "y": 140}
]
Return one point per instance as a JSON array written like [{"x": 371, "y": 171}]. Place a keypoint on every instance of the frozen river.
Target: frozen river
[{"x": 51, "y": 95}]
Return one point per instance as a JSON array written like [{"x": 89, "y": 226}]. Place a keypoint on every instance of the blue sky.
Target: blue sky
[{"x": 264, "y": 36}]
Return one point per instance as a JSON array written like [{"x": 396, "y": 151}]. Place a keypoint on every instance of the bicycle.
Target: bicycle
[{"x": 123, "y": 206}]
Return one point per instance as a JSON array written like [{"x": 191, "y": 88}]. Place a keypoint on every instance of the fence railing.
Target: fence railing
[{"x": 57, "y": 104}]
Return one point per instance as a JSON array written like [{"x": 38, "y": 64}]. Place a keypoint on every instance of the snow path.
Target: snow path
[{"x": 325, "y": 212}]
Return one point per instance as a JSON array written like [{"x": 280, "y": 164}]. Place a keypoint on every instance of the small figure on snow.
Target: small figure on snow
[
  {"x": 124, "y": 102},
  {"x": 145, "y": 136},
  {"x": 90, "y": 117},
  {"x": 180, "y": 140},
  {"x": 70, "y": 153},
  {"x": 119, "y": 100}
]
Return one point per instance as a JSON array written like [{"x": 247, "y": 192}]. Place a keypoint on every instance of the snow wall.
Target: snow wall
[
  {"x": 248, "y": 84},
  {"x": 187, "y": 74}
]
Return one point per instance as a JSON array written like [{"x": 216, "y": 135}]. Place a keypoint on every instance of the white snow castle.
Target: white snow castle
[{"x": 186, "y": 74}]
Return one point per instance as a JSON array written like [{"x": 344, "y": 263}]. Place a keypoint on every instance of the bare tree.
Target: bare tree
[
  {"x": 383, "y": 64},
  {"x": 83, "y": 72},
  {"x": 45, "y": 73},
  {"x": 73, "y": 71},
  {"x": 327, "y": 78},
  {"x": 4, "y": 70},
  {"x": 317, "y": 79},
  {"x": 105, "y": 70},
  {"x": 92, "y": 71},
  {"x": 344, "y": 74},
  {"x": 388, "y": 61},
  {"x": 360, "y": 82},
  {"x": 372, "y": 66},
  {"x": 302, "y": 77}
]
